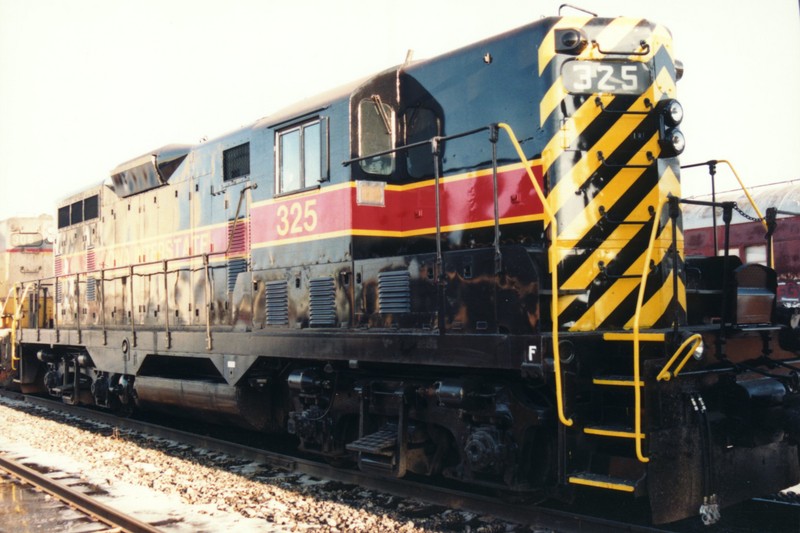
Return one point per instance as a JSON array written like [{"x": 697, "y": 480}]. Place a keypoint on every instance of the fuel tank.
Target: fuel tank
[{"x": 216, "y": 403}]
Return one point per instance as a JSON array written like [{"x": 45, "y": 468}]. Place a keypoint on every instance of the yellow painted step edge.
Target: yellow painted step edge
[
  {"x": 616, "y": 382},
  {"x": 601, "y": 484},
  {"x": 645, "y": 337},
  {"x": 611, "y": 433}
]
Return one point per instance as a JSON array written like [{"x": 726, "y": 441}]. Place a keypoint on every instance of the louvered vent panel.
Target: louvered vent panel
[
  {"x": 91, "y": 261},
  {"x": 394, "y": 292},
  {"x": 323, "y": 302},
  {"x": 239, "y": 241},
  {"x": 277, "y": 303},
  {"x": 235, "y": 267},
  {"x": 91, "y": 289}
]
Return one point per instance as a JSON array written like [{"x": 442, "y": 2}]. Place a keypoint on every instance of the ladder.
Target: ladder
[{"x": 636, "y": 337}]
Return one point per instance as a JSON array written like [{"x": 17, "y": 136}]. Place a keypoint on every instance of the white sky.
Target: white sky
[{"x": 88, "y": 84}]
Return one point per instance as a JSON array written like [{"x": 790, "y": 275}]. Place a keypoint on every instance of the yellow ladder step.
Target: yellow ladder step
[
  {"x": 611, "y": 431},
  {"x": 602, "y": 481},
  {"x": 626, "y": 336},
  {"x": 616, "y": 381}
]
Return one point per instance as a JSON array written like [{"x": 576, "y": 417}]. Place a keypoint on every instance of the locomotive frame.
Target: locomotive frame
[{"x": 490, "y": 288}]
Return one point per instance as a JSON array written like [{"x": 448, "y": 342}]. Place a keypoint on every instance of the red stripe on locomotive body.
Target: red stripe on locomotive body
[
  {"x": 407, "y": 210},
  {"x": 334, "y": 211},
  {"x": 465, "y": 202},
  {"x": 27, "y": 251},
  {"x": 312, "y": 214}
]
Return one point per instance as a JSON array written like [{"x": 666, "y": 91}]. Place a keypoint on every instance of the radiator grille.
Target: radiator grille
[
  {"x": 322, "y": 302},
  {"x": 238, "y": 233},
  {"x": 91, "y": 289},
  {"x": 91, "y": 261},
  {"x": 235, "y": 267},
  {"x": 277, "y": 303},
  {"x": 394, "y": 292}
]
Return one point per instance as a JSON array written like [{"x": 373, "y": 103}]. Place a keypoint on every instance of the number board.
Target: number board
[{"x": 618, "y": 77}]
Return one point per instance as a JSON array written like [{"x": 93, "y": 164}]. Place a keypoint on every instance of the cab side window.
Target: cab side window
[
  {"x": 376, "y": 133},
  {"x": 236, "y": 162},
  {"x": 421, "y": 125},
  {"x": 301, "y": 156}
]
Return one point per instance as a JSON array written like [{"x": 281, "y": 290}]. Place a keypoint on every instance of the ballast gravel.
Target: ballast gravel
[{"x": 180, "y": 488}]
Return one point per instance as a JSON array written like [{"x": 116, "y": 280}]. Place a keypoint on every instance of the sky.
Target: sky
[{"x": 88, "y": 84}]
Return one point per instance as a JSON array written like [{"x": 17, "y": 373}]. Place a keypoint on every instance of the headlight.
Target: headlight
[
  {"x": 673, "y": 143},
  {"x": 570, "y": 41},
  {"x": 673, "y": 112}
]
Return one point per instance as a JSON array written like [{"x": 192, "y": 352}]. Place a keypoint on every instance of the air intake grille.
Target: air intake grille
[
  {"x": 238, "y": 233},
  {"x": 394, "y": 292},
  {"x": 235, "y": 267},
  {"x": 91, "y": 261},
  {"x": 323, "y": 302},
  {"x": 91, "y": 289},
  {"x": 277, "y": 302}
]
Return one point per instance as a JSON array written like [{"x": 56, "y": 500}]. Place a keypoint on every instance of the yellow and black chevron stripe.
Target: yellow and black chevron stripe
[{"x": 606, "y": 179}]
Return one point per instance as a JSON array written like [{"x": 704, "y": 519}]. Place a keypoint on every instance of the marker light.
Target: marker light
[
  {"x": 570, "y": 41},
  {"x": 699, "y": 352},
  {"x": 678, "y": 69}
]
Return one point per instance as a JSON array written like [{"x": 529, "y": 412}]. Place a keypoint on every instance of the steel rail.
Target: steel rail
[{"x": 78, "y": 500}]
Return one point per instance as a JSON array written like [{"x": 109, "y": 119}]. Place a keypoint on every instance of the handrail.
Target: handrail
[
  {"x": 755, "y": 207},
  {"x": 712, "y": 166},
  {"x": 637, "y": 316},
  {"x": 745, "y": 191},
  {"x": 665, "y": 375},
  {"x": 19, "y": 302},
  {"x": 3, "y": 315},
  {"x": 553, "y": 259}
]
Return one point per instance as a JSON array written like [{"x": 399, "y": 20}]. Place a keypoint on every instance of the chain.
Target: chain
[{"x": 745, "y": 215}]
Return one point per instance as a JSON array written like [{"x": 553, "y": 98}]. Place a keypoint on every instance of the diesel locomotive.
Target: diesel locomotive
[
  {"x": 26, "y": 255},
  {"x": 467, "y": 268}
]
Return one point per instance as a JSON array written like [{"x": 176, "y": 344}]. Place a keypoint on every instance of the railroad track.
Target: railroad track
[
  {"x": 80, "y": 501},
  {"x": 541, "y": 517}
]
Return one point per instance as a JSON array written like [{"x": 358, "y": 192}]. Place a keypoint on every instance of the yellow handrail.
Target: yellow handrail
[
  {"x": 3, "y": 315},
  {"x": 637, "y": 391},
  {"x": 19, "y": 301},
  {"x": 665, "y": 374},
  {"x": 553, "y": 260},
  {"x": 752, "y": 203}
]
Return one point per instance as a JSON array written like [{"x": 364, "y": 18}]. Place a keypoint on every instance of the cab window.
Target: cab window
[
  {"x": 300, "y": 157},
  {"x": 236, "y": 162},
  {"x": 421, "y": 125},
  {"x": 376, "y": 133}
]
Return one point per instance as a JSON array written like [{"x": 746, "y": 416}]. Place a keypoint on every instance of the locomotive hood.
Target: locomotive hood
[{"x": 148, "y": 171}]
